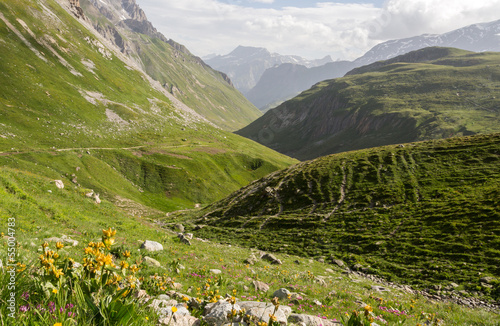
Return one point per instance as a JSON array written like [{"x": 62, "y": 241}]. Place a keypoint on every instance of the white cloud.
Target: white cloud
[
  {"x": 342, "y": 30},
  {"x": 409, "y": 18},
  {"x": 263, "y": 1}
]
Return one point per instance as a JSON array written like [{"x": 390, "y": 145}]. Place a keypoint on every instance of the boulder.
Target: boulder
[
  {"x": 260, "y": 286},
  {"x": 339, "y": 262},
  {"x": 281, "y": 293},
  {"x": 251, "y": 260},
  {"x": 216, "y": 313},
  {"x": 149, "y": 245},
  {"x": 151, "y": 262},
  {"x": 311, "y": 320},
  {"x": 272, "y": 259},
  {"x": 262, "y": 310},
  {"x": 179, "y": 228},
  {"x": 178, "y": 320},
  {"x": 59, "y": 184}
]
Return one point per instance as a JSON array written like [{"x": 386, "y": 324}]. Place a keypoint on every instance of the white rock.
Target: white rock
[
  {"x": 151, "y": 262},
  {"x": 262, "y": 310},
  {"x": 59, "y": 184},
  {"x": 151, "y": 246},
  {"x": 217, "y": 313}
]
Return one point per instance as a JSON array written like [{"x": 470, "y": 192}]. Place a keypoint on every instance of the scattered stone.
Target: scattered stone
[
  {"x": 260, "y": 286},
  {"x": 454, "y": 285},
  {"x": 63, "y": 239},
  {"x": 339, "y": 262},
  {"x": 251, "y": 260},
  {"x": 97, "y": 199},
  {"x": 311, "y": 320},
  {"x": 379, "y": 288},
  {"x": 297, "y": 262},
  {"x": 188, "y": 236},
  {"x": 487, "y": 279},
  {"x": 151, "y": 246},
  {"x": 59, "y": 184},
  {"x": 217, "y": 313},
  {"x": 151, "y": 262},
  {"x": 329, "y": 270},
  {"x": 90, "y": 194},
  {"x": 281, "y": 293},
  {"x": 215, "y": 271},
  {"x": 199, "y": 227},
  {"x": 1, "y": 264},
  {"x": 263, "y": 310},
  {"x": 178, "y": 320},
  {"x": 317, "y": 302},
  {"x": 320, "y": 281},
  {"x": 272, "y": 259},
  {"x": 179, "y": 228},
  {"x": 163, "y": 297},
  {"x": 183, "y": 239}
]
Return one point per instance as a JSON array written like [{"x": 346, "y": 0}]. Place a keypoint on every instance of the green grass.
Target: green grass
[
  {"x": 423, "y": 213},
  {"x": 387, "y": 103},
  {"x": 40, "y": 214},
  {"x": 158, "y": 155}
]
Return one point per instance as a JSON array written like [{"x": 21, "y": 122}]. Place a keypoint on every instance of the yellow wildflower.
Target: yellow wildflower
[
  {"x": 54, "y": 291},
  {"x": 174, "y": 309},
  {"x": 123, "y": 264},
  {"x": 59, "y": 245},
  {"x": 126, "y": 254},
  {"x": 57, "y": 324},
  {"x": 45, "y": 245}
]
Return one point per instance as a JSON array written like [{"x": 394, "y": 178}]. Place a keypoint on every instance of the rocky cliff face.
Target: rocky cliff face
[{"x": 211, "y": 93}]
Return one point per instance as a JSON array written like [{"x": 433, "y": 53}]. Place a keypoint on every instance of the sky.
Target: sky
[{"x": 344, "y": 29}]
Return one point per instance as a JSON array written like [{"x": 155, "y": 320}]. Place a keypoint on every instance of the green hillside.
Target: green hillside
[
  {"x": 420, "y": 213},
  {"x": 427, "y": 94},
  {"x": 71, "y": 109}
]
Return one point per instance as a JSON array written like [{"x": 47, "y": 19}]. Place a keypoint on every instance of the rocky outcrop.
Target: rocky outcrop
[{"x": 77, "y": 10}]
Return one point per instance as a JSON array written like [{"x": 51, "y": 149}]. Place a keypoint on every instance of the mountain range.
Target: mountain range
[
  {"x": 245, "y": 65},
  {"x": 296, "y": 77}
]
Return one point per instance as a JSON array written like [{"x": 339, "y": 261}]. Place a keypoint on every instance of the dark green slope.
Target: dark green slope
[
  {"x": 427, "y": 94},
  {"x": 419, "y": 213},
  {"x": 71, "y": 109}
]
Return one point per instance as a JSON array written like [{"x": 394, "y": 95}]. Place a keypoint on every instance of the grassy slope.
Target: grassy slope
[
  {"x": 157, "y": 155},
  {"x": 423, "y": 213},
  {"x": 398, "y": 102},
  {"x": 41, "y": 211}
]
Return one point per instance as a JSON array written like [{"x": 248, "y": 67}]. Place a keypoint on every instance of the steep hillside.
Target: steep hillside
[
  {"x": 420, "y": 213},
  {"x": 74, "y": 108},
  {"x": 208, "y": 92},
  {"x": 428, "y": 94}
]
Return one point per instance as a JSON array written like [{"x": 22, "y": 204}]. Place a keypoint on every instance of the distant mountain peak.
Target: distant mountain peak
[{"x": 246, "y": 64}]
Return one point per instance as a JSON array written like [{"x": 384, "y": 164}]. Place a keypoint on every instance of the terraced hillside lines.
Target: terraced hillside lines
[
  {"x": 414, "y": 97},
  {"x": 416, "y": 212}
]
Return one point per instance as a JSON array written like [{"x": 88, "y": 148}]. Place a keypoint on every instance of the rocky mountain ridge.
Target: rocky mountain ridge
[
  {"x": 125, "y": 25},
  {"x": 279, "y": 84}
]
